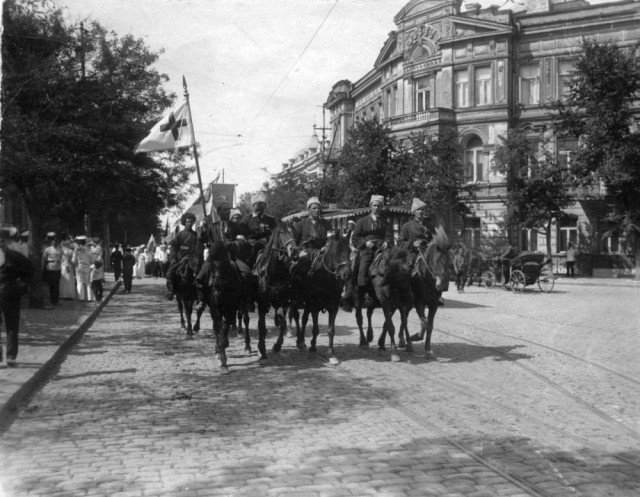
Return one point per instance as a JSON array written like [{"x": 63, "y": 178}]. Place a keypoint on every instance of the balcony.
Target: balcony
[{"x": 434, "y": 115}]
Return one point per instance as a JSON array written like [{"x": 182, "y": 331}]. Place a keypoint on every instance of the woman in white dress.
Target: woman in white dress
[
  {"x": 140, "y": 264},
  {"x": 68, "y": 275}
]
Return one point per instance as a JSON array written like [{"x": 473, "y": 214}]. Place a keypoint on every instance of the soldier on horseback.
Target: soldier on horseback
[
  {"x": 311, "y": 234},
  {"x": 258, "y": 226},
  {"x": 370, "y": 233},
  {"x": 416, "y": 232},
  {"x": 185, "y": 245},
  {"x": 231, "y": 235}
]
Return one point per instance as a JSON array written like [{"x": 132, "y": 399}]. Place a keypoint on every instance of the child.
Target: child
[
  {"x": 128, "y": 263},
  {"x": 97, "y": 275}
]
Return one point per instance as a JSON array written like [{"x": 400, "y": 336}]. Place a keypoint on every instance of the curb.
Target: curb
[{"x": 9, "y": 411}]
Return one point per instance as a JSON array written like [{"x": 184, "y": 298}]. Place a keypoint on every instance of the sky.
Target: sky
[{"x": 257, "y": 71}]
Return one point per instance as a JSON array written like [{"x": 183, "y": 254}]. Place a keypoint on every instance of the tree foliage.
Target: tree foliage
[
  {"x": 598, "y": 111},
  {"x": 537, "y": 187},
  {"x": 75, "y": 102}
]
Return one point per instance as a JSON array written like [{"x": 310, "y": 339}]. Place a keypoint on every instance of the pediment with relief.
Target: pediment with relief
[{"x": 472, "y": 27}]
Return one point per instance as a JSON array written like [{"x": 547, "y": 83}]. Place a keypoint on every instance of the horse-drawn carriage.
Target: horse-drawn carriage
[{"x": 529, "y": 268}]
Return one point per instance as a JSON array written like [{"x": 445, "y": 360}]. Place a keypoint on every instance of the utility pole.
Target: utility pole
[
  {"x": 322, "y": 150},
  {"x": 82, "y": 56}
]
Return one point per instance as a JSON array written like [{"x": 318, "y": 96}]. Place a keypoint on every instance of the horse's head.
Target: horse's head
[
  {"x": 337, "y": 258},
  {"x": 396, "y": 272},
  {"x": 282, "y": 240},
  {"x": 438, "y": 259}
]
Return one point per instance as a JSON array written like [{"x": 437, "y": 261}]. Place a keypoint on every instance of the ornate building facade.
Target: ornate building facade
[{"x": 483, "y": 71}]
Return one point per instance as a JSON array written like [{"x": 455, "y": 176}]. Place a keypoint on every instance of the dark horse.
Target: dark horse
[
  {"x": 225, "y": 294},
  {"x": 185, "y": 290},
  {"x": 274, "y": 284},
  {"x": 430, "y": 276},
  {"x": 390, "y": 281},
  {"x": 329, "y": 271}
]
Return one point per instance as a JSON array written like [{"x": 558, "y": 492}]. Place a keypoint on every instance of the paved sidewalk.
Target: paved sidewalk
[{"x": 46, "y": 336}]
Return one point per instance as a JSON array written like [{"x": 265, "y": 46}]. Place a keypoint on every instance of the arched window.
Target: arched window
[{"x": 474, "y": 161}]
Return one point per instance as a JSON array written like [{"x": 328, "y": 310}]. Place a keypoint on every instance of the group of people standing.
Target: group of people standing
[{"x": 140, "y": 263}]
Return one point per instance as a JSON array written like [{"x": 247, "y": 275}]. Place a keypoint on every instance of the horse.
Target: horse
[
  {"x": 272, "y": 269},
  {"x": 390, "y": 281},
  {"x": 429, "y": 278},
  {"x": 329, "y": 271},
  {"x": 224, "y": 299},
  {"x": 185, "y": 291}
]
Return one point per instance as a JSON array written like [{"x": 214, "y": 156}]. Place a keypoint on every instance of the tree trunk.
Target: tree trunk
[
  {"x": 106, "y": 236},
  {"x": 36, "y": 293},
  {"x": 636, "y": 253},
  {"x": 548, "y": 234}
]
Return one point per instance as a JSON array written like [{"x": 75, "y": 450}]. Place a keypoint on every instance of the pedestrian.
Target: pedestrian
[
  {"x": 140, "y": 263},
  {"x": 52, "y": 268},
  {"x": 97, "y": 277},
  {"x": 82, "y": 264},
  {"x": 116, "y": 261},
  {"x": 571, "y": 260},
  {"x": 128, "y": 264},
  {"x": 15, "y": 272},
  {"x": 460, "y": 265},
  {"x": 505, "y": 260},
  {"x": 160, "y": 261},
  {"x": 67, "y": 272},
  {"x": 148, "y": 262}
]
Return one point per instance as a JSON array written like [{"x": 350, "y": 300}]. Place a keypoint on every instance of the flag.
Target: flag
[
  {"x": 151, "y": 244},
  {"x": 173, "y": 131}
]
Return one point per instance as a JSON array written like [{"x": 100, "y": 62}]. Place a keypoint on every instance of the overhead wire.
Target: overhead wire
[{"x": 290, "y": 69}]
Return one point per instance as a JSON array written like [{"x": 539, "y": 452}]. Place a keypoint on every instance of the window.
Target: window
[
  {"x": 529, "y": 240},
  {"x": 391, "y": 101},
  {"x": 567, "y": 233},
  {"x": 566, "y": 152},
  {"x": 565, "y": 71},
  {"x": 530, "y": 84},
  {"x": 462, "y": 88},
  {"x": 610, "y": 244},
  {"x": 423, "y": 94},
  {"x": 474, "y": 161},
  {"x": 483, "y": 86},
  {"x": 472, "y": 233}
]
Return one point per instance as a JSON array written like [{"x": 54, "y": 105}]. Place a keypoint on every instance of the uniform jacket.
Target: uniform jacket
[
  {"x": 221, "y": 232},
  {"x": 413, "y": 231},
  {"x": 188, "y": 239},
  {"x": 256, "y": 227},
  {"x": 368, "y": 229},
  {"x": 315, "y": 234}
]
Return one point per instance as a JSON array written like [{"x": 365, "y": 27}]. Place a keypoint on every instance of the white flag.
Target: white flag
[{"x": 173, "y": 131}]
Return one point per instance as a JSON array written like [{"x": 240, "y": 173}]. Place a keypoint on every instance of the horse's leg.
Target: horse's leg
[
  {"x": 389, "y": 328},
  {"x": 364, "y": 344},
  {"x": 433, "y": 308},
  {"x": 224, "y": 367},
  {"x": 333, "y": 312},
  {"x": 369, "y": 326},
  {"x": 262, "y": 329},
  {"x": 188, "y": 309},
  {"x": 404, "y": 340},
  {"x": 300, "y": 342},
  {"x": 315, "y": 330},
  {"x": 181, "y": 310},
  {"x": 281, "y": 322},
  {"x": 196, "y": 326},
  {"x": 247, "y": 337},
  {"x": 294, "y": 316},
  {"x": 417, "y": 337}
]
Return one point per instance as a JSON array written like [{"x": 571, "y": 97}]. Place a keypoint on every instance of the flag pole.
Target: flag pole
[{"x": 195, "y": 150}]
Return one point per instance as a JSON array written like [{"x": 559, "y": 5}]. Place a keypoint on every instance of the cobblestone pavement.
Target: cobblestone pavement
[{"x": 532, "y": 395}]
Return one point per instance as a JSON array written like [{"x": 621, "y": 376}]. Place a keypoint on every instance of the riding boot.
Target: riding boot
[
  {"x": 199, "y": 304},
  {"x": 170, "y": 293},
  {"x": 347, "y": 296}
]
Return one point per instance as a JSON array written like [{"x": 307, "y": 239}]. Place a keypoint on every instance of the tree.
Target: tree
[
  {"x": 598, "y": 111},
  {"x": 289, "y": 192},
  {"x": 369, "y": 164},
  {"x": 75, "y": 103},
  {"x": 537, "y": 190},
  {"x": 435, "y": 174}
]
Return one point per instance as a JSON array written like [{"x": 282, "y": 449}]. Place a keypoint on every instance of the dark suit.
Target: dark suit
[{"x": 15, "y": 274}]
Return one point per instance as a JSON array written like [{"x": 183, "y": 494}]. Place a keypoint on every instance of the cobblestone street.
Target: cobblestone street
[{"x": 532, "y": 394}]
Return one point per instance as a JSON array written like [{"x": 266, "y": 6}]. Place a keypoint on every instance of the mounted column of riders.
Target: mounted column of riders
[{"x": 245, "y": 237}]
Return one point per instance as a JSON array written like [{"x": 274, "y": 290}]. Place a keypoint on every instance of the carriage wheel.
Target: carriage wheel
[
  {"x": 546, "y": 279},
  {"x": 488, "y": 279},
  {"x": 517, "y": 281}
]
